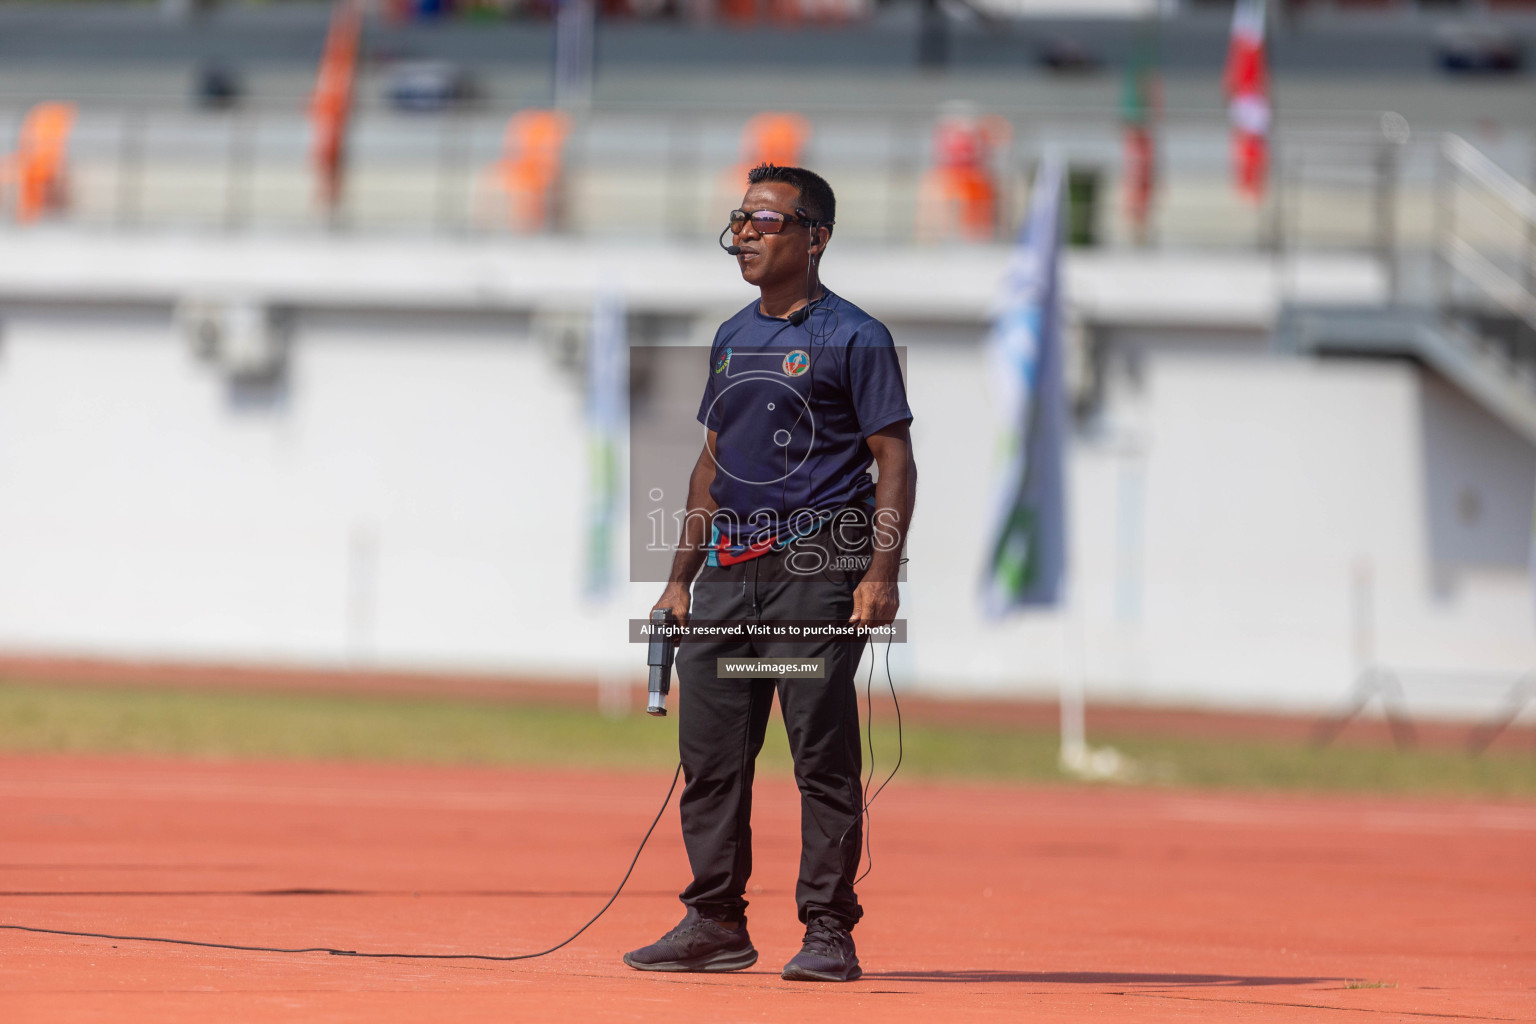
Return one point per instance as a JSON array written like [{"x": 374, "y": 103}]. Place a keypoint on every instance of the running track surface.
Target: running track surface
[{"x": 986, "y": 902}]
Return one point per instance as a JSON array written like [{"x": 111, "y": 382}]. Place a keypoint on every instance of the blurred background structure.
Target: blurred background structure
[{"x": 296, "y": 305}]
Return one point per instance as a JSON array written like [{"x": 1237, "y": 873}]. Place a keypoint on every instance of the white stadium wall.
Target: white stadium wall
[
  {"x": 412, "y": 498},
  {"x": 1224, "y": 527},
  {"x": 407, "y": 502}
]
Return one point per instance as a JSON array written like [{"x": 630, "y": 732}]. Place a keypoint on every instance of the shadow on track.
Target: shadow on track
[
  {"x": 415, "y": 893},
  {"x": 1087, "y": 978}
]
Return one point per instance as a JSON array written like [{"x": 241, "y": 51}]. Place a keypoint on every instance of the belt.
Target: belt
[{"x": 722, "y": 554}]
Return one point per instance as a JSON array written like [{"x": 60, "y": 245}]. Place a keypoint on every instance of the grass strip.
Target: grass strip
[{"x": 456, "y": 730}]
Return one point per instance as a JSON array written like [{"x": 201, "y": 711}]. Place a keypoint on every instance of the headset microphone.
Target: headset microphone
[{"x": 730, "y": 250}]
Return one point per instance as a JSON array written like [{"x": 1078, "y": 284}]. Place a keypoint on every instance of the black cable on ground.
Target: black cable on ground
[{"x": 380, "y": 956}]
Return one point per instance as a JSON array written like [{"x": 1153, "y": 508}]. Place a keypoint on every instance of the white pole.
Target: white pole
[
  {"x": 1365, "y": 618},
  {"x": 1074, "y": 729},
  {"x": 362, "y": 592}
]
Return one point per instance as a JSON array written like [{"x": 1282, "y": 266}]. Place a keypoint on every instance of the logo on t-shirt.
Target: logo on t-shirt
[
  {"x": 796, "y": 363},
  {"x": 723, "y": 361}
]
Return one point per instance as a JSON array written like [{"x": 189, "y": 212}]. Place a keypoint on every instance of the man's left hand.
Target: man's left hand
[{"x": 875, "y": 603}]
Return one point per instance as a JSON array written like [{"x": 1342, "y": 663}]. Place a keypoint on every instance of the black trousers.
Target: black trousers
[{"x": 722, "y": 722}]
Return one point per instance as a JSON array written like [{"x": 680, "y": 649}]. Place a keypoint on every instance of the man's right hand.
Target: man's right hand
[{"x": 675, "y": 598}]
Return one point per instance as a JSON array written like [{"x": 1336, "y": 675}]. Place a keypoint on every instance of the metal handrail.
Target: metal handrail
[
  {"x": 1492, "y": 281},
  {"x": 247, "y": 170},
  {"x": 1496, "y": 179},
  {"x": 1472, "y": 172}
]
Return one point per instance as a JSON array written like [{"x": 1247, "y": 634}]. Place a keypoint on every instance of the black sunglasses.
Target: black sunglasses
[{"x": 767, "y": 222}]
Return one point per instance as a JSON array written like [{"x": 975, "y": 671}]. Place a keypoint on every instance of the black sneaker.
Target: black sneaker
[
  {"x": 826, "y": 954},
  {"x": 696, "y": 944}
]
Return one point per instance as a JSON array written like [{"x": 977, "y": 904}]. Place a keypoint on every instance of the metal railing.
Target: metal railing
[
  {"x": 1454, "y": 237},
  {"x": 1486, "y": 237},
  {"x": 673, "y": 173}
]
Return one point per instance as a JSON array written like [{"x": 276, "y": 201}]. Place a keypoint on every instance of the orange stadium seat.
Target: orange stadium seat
[
  {"x": 772, "y": 137},
  {"x": 528, "y": 174},
  {"x": 958, "y": 195},
  {"x": 37, "y": 173}
]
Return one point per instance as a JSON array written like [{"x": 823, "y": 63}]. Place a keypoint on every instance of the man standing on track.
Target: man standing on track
[{"x": 805, "y": 391}]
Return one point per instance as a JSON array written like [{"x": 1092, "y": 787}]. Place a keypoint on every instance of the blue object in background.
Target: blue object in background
[{"x": 1027, "y": 555}]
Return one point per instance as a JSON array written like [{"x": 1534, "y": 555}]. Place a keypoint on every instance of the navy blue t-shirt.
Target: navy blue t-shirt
[{"x": 791, "y": 405}]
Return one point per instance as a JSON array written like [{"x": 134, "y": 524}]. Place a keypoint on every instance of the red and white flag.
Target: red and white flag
[{"x": 1247, "y": 85}]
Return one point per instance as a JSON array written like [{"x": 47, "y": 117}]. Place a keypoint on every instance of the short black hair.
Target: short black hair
[{"x": 815, "y": 194}]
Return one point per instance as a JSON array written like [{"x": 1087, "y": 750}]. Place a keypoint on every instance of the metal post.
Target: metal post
[
  {"x": 20, "y": 122},
  {"x": 1445, "y": 226},
  {"x": 906, "y": 148},
  {"x": 1386, "y": 212},
  {"x": 1007, "y": 192},
  {"x": 559, "y": 217},
  {"x": 450, "y": 151},
  {"x": 683, "y": 141},
  {"x": 130, "y": 159},
  {"x": 1287, "y": 212},
  {"x": 237, "y": 184},
  {"x": 1271, "y": 230}
]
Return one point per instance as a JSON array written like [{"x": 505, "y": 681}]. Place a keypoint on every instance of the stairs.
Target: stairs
[
  {"x": 1474, "y": 321},
  {"x": 1461, "y": 349}
]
